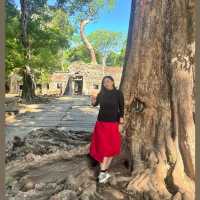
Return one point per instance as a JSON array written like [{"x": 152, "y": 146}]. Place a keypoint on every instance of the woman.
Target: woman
[{"x": 106, "y": 139}]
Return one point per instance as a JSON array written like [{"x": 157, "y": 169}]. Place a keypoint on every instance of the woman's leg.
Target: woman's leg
[
  {"x": 106, "y": 163},
  {"x": 109, "y": 160},
  {"x": 103, "y": 176},
  {"x": 103, "y": 164}
]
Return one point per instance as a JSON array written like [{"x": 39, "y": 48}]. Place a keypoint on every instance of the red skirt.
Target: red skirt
[{"x": 105, "y": 140}]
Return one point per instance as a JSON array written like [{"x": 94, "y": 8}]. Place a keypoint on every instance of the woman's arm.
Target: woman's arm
[{"x": 95, "y": 101}]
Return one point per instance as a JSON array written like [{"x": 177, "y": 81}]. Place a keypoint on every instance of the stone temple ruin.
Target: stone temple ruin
[
  {"x": 79, "y": 79},
  {"x": 83, "y": 79}
]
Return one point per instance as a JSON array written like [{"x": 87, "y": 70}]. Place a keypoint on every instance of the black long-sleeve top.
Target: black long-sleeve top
[{"x": 111, "y": 105}]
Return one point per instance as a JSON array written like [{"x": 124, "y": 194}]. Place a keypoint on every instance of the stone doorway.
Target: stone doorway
[{"x": 78, "y": 85}]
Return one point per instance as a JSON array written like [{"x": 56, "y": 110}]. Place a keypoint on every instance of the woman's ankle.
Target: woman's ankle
[{"x": 104, "y": 170}]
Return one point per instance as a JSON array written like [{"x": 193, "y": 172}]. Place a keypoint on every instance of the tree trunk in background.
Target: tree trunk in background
[
  {"x": 104, "y": 58},
  {"x": 88, "y": 45},
  {"x": 28, "y": 89},
  {"x": 158, "y": 85},
  {"x": 24, "y": 22}
]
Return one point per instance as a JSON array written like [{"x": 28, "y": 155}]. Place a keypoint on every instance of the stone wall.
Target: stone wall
[{"x": 93, "y": 75}]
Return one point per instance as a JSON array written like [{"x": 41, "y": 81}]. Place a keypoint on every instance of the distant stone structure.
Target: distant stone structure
[
  {"x": 83, "y": 79},
  {"x": 13, "y": 84},
  {"x": 80, "y": 79}
]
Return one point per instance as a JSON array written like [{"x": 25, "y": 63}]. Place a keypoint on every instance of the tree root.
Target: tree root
[{"x": 64, "y": 173}]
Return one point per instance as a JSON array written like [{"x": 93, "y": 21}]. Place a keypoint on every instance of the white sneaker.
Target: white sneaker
[{"x": 103, "y": 177}]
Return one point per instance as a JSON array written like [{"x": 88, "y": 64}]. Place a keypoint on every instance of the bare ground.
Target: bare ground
[
  {"x": 52, "y": 164},
  {"x": 47, "y": 154}
]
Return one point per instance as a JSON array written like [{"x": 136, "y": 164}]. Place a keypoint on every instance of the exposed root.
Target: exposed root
[{"x": 62, "y": 172}]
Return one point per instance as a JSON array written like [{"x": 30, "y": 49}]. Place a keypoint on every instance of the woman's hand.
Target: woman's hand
[
  {"x": 121, "y": 120},
  {"x": 93, "y": 100}
]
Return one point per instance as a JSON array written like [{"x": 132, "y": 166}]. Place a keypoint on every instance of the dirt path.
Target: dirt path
[{"x": 64, "y": 113}]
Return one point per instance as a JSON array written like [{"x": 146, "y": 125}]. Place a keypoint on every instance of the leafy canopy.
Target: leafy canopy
[{"x": 107, "y": 41}]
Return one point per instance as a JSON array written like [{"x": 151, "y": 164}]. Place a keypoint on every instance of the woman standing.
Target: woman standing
[{"x": 106, "y": 138}]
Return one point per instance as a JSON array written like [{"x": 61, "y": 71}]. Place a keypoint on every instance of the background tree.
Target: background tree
[
  {"x": 47, "y": 40},
  {"x": 116, "y": 59},
  {"x": 158, "y": 83},
  {"x": 50, "y": 41},
  {"x": 27, "y": 9},
  {"x": 13, "y": 50},
  {"x": 106, "y": 42},
  {"x": 80, "y": 53},
  {"x": 41, "y": 38},
  {"x": 85, "y": 12},
  {"x": 13, "y": 59}
]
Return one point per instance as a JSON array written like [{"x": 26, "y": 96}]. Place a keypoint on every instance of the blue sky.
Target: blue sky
[{"x": 115, "y": 20}]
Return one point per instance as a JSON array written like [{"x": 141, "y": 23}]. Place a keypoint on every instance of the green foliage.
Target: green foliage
[
  {"x": 116, "y": 59},
  {"x": 52, "y": 42},
  {"x": 43, "y": 77},
  {"x": 48, "y": 38},
  {"x": 107, "y": 42},
  {"x": 84, "y": 9},
  {"x": 80, "y": 53},
  {"x": 13, "y": 47},
  {"x": 88, "y": 9},
  {"x": 49, "y": 33}
]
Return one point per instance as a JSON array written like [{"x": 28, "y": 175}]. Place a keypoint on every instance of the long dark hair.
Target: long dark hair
[{"x": 103, "y": 89}]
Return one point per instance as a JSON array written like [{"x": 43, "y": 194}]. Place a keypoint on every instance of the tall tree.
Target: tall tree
[
  {"x": 80, "y": 53},
  {"x": 13, "y": 45},
  {"x": 28, "y": 89},
  {"x": 83, "y": 23},
  {"x": 106, "y": 41},
  {"x": 50, "y": 41},
  {"x": 88, "y": 16},
  {"x": 158, "y": 83},
  {"x": 27, "y": 10},
  {"x": 45, "y": 37},
  {"x": 85, "y": 12}
]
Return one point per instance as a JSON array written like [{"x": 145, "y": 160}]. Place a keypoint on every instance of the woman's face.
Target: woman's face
[{"x": 108, "y": 84}]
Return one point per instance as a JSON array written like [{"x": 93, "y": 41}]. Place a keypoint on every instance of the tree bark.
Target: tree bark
[
  {"x": 88, "y": 45},
  {"x": 28, "y": 89},
  {"x": 158, "y": 84},
  {"x": 104, "y": 58},
  {"x": 24, "y": 22}
]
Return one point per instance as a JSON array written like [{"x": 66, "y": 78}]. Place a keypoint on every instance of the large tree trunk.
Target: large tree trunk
[
  {"x": 157, "y": 83},
  {"x": 28, "y": 89},
  {"x": 88, "y": 45}
]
